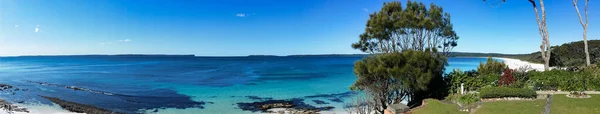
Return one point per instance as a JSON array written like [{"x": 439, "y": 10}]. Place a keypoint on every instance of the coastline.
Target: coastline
[
  {"x": 516, "y": 64},
  {"x": 43, "y": 109}
]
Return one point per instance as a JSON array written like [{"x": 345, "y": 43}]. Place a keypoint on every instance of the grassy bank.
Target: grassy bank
[
  {"x": 512, "y": 107},
  {"x": 437, "y": 107},
  {"x": 561, "y": 104}
]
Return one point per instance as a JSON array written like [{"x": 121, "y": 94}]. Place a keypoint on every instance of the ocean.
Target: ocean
[{"x": 185, "y": 84}]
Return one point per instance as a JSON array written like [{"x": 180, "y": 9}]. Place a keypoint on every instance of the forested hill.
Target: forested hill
[
  {"x": 473, "y": 54},
  {"x": 568, "y": 54}
]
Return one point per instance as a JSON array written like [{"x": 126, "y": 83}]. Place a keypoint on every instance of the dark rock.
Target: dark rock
[
  {"x": 73, "y": 88},
  {"x": 334, "y": 97},
  {"x": 338, "y": 95},
  {"x": 211, "y": 102},
  {"x": 337, "y": 100},
  {"x": 320, "y": 102},
  {"x": 6, "y": 106},
  {"x": 8, "y": 88},
  {"x": 5, "y": 86},
  {"x": 294, "y": 104},
  {"x": 79, "y": 108},
  {"x": 265, "y": 105},
  {"x": 259, "y": 98}
]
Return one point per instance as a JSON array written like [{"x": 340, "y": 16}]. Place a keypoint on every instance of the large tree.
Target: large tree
[
  {"x": 415, "y": 27},
  {"x": 545, "y": 47},
  {"x": 394, "y": 77},
  {"x": 585, "y": 26},
  {"x": 405, "y": 62}
]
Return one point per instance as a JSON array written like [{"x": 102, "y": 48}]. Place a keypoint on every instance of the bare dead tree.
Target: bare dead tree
[
  {"x": 545, "y": 47},
  {"x": 541, "y": 21},
  {"x": 585, "y": 26}
]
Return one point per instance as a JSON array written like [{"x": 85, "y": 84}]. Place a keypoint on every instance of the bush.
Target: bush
[
  {"x": 468, "y": 99},
  {"x": 507, "y": 78},
  {"x": 464, "y": 99},
  {"x": 586, "y": 78},
  {"x": 491, "y": 67},
  {"x": 500, "y": 92},
  {"x": 551, "y": 80}
]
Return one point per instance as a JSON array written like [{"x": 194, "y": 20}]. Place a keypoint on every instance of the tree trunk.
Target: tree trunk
[
  {"x": 585, "y": 26},
  {"x": 545, "y": 47}
]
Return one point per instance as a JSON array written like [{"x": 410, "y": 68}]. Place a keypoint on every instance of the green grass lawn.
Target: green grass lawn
[
  {"x": 512, "y": 107},
  {"x": 436, "y": 107},
  {"x": 561, "y": 104}
]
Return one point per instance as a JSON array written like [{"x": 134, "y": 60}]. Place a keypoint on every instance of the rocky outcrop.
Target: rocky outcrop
[
  {"x": 298, "y": 111},
  {"x": 9, "y": 108},
  {"x": 295, "y": 105},
  {"x": 76, "y": 88},
  {"x": 265, "y": 105},
  {"x": 79, "y": 108}
]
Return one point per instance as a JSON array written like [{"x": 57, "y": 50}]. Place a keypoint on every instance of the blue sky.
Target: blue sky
[{"x": 247, "y": 27}]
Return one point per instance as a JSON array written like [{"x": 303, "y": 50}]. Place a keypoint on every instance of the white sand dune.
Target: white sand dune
[{"x": 515, "y": 64}]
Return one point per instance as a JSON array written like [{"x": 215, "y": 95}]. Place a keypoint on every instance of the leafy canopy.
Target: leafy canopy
[
  {"x": 415, "y": 27},
  {"x": 491, "y": 67}
]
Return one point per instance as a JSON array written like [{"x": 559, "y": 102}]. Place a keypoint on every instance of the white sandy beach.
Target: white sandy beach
[
  {"x": 42, "y": 109},
  {"x": 515, "y": 64}
]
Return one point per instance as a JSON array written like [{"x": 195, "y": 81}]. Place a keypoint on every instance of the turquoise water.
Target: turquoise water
[{"x": 185, "y": 84}]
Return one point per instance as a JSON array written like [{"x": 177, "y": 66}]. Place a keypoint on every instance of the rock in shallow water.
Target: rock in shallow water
[
  {"x": 320, "y": 102},
  {"x": 79, "y": 108},
  {"x": 9, "y": 108},
  {"x": 293, "y": 104}
]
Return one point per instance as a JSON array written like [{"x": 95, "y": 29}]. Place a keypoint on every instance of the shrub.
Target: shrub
[
  {"x": 500, "y": 92},
  {"x": 551, "y": 80},
  {"x": 468, "y": 99},
  {"x": 464, "y": 99},
  {"x": 491, "y": 67},
  {"x": 507, "y": 79},
  {"x": 522, "y": 77}
]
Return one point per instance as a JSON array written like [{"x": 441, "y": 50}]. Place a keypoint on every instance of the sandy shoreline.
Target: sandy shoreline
[
  {"x": 515, "y": 64},
  {"x": 41, "y": 109}
]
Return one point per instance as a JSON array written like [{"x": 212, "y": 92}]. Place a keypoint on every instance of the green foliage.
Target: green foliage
[
  {"x": 472, "y": 80},
  {"x": 464, "y": 99},
  {"x": 415, "y": 27},
  {"x": 468, "y": 99},
  {"x": 523, "y": 78},
  {"x": 568, "y": 54},
  {"x": 491, "y": 67},
  {"x": 406, "y": 62},
  {"x": 500, "y": 92},
  {"x": 395, "y": 76},
  {"x": 586, "y": 79},
  {"x": 455, "y": 78}
]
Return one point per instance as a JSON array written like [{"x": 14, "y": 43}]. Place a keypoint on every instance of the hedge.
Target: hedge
[{"x": 500, "y": 92}]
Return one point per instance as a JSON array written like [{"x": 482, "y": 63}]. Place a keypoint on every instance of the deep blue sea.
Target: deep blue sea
[{"x": 169, "y": 84}]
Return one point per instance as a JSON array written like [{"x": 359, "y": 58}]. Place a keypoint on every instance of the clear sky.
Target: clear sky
[{"x": 248, "y": 27}]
